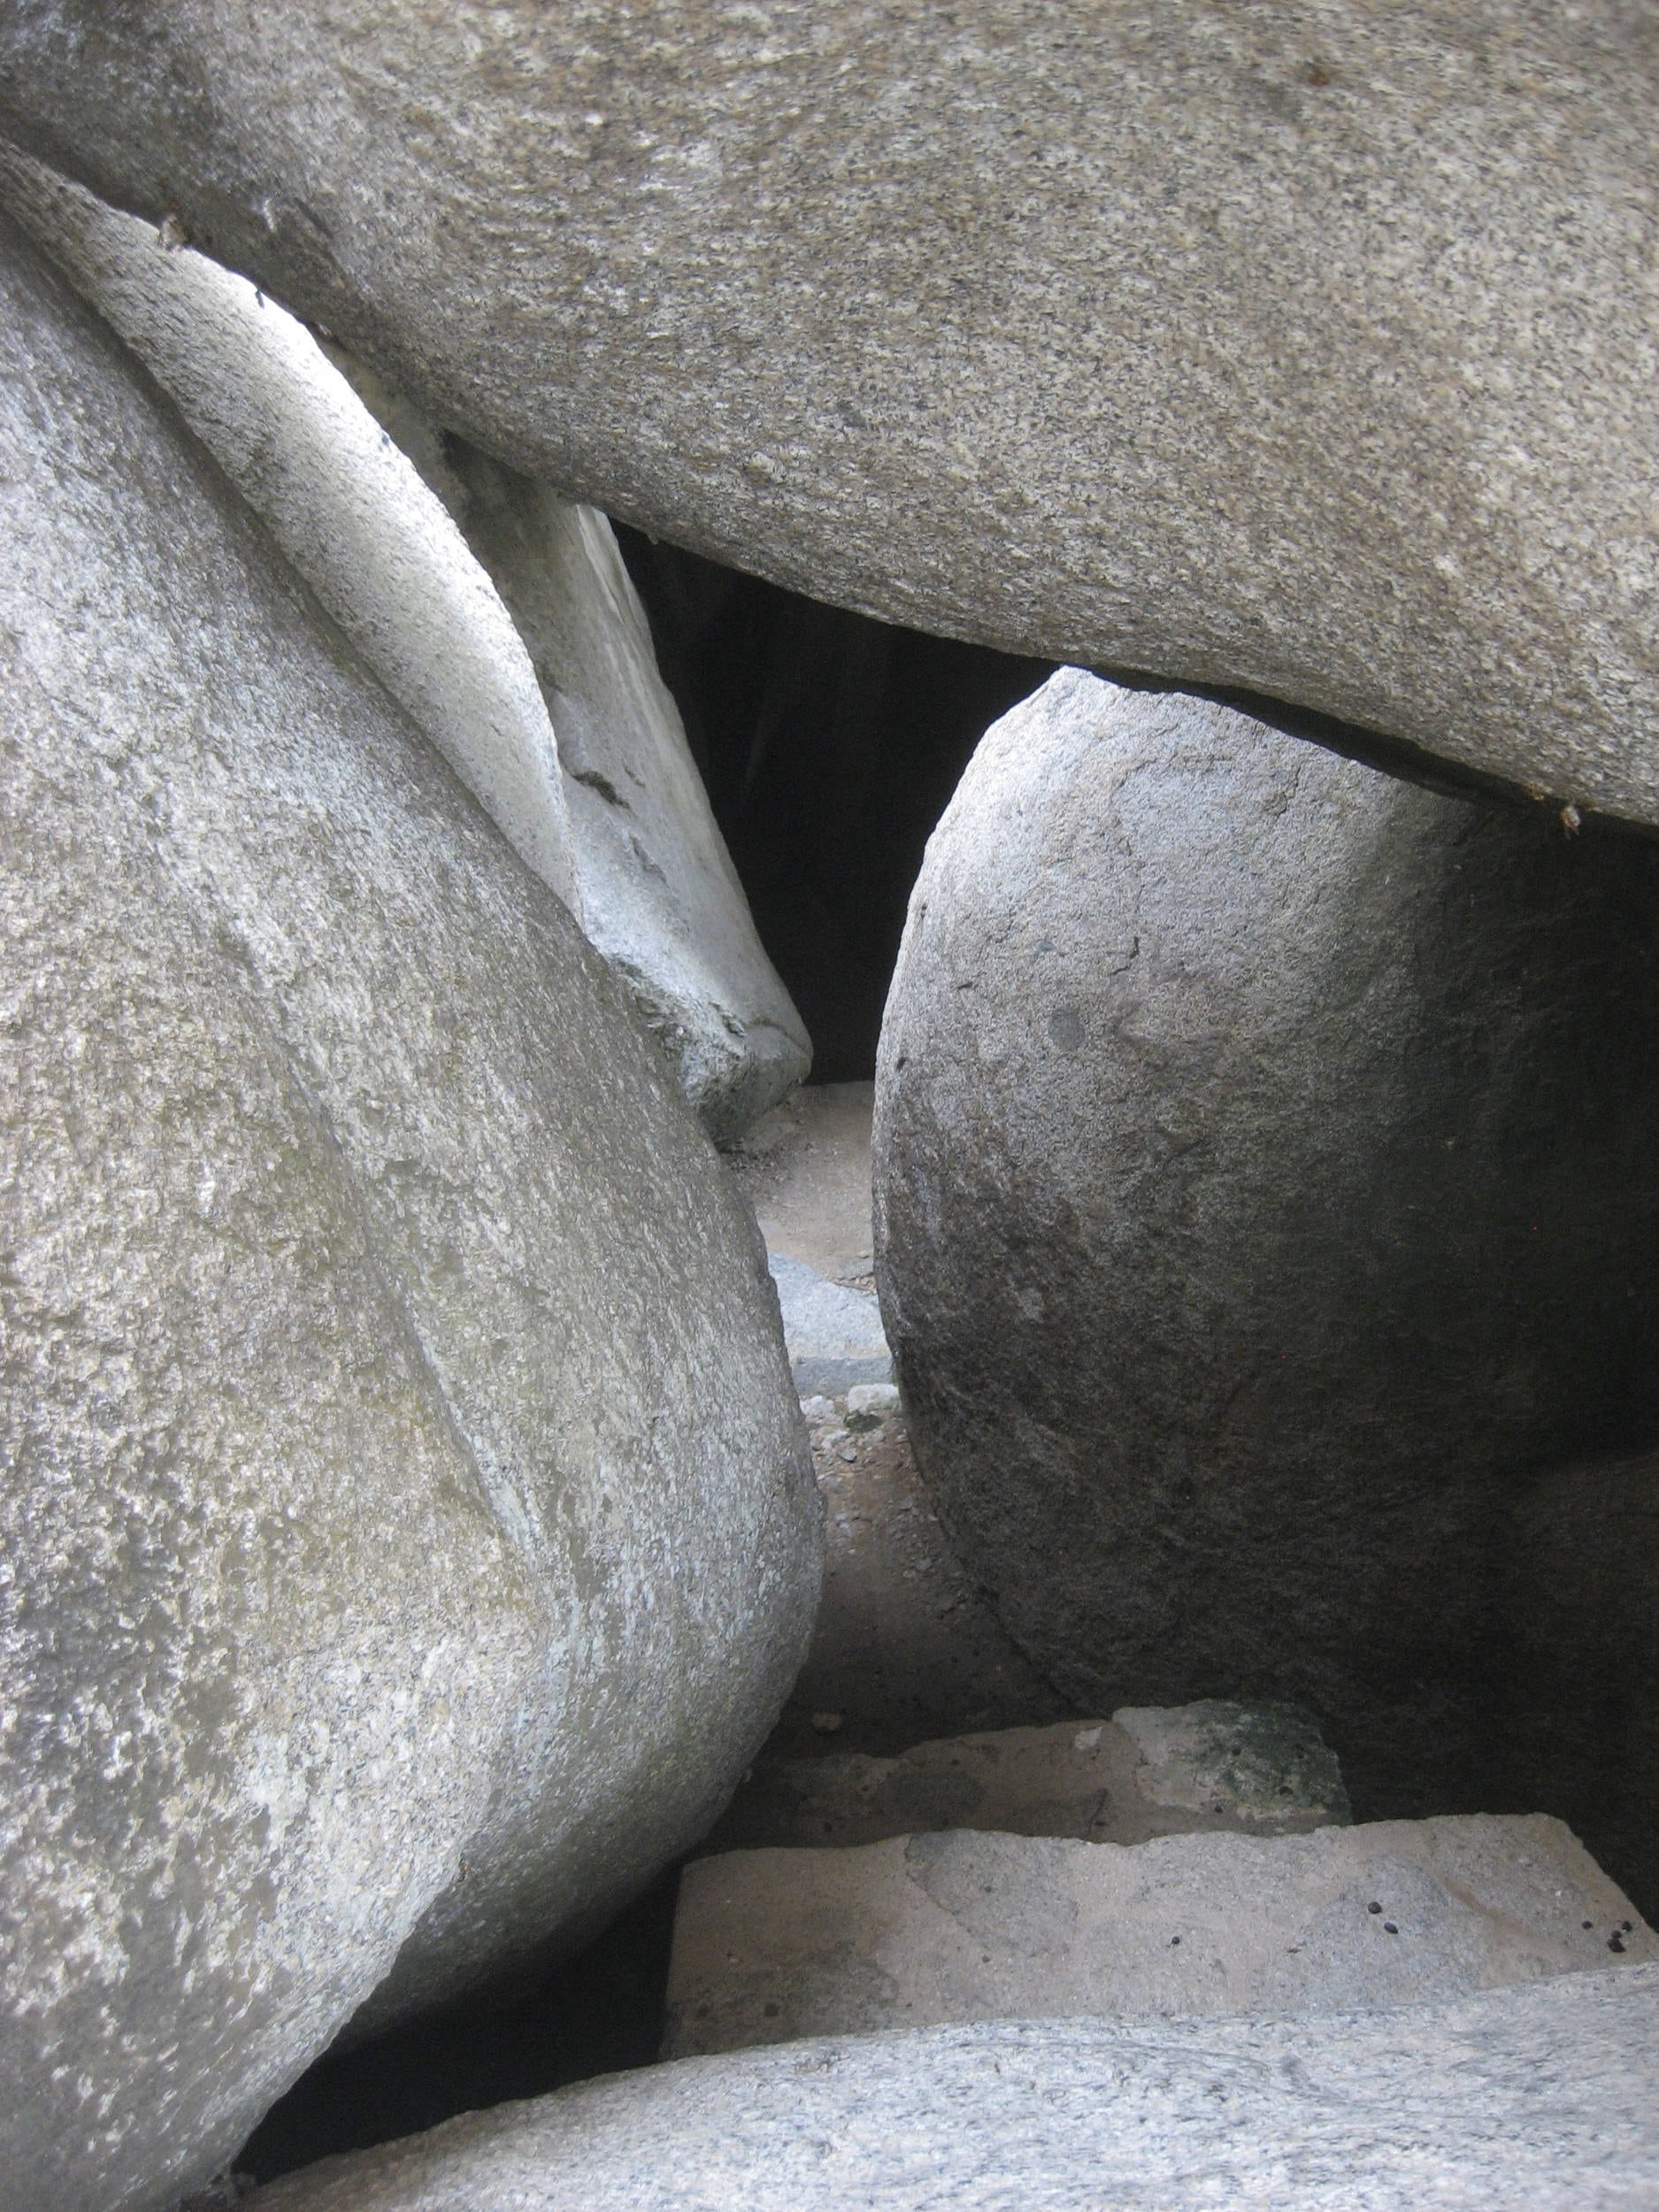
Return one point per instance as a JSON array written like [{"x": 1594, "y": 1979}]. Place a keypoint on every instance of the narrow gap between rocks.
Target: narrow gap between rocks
[{"x": 830, "y": 744}]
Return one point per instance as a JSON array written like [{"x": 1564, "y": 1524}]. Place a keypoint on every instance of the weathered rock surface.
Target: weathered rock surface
[
  {"x": 1307, "y": 353},
  {"x": 660, "y": 897},
  {"x": 409, "y": 1524},
  {"x": 905, "y": 1649},
  {"x": 770, "y": 1946},
  {"x": 1265, "y": 1767},
  {"x": 480, "y": 638},
  {"x": 1253, "y": 1770},
  {"x": 349, "y": 510},
  {"x": 1261, "y": 1182},
  {"x": 1541, "y": 2096}
]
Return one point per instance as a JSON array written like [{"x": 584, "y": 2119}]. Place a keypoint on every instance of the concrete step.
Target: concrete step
[
  {"x": 834, "y": 1334},
  {"x": 968, "y": 1925},
  {"x": 1150, "y": 1771}
]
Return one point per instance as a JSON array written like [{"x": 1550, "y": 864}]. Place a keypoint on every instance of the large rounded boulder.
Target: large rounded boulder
[
  {"x": 1264, "y": 1192},
  {"x": 610, "y": 811},
  {"x": 1305, "y": 351},
  {"x": 408, "y": 1530},
  {"x": 345, "y": 506}
]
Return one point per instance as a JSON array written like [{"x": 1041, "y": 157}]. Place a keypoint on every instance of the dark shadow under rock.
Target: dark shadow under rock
[
  {"x": 830, "y": 744},
  {"x": 598, "y": 2013}
]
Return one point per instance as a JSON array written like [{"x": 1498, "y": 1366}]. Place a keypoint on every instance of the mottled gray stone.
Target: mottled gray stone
[
  {"x": 1265, "y": 1763},
  {"x": 610, "y": 812},
  {"x": 659, "y": 895},
  {"x": 1257, "y": 1770},
  {"x": 1545, "y": 2097},
  {"x": 1310, "y": 351},
  {"x": 409, "y": 1528},
  {"x": 770, "y": 1946},
  {"x": 349, "y": 510},
  {"x": 1264, "y": 1185},
  {"x": 834, "y": 1334}
]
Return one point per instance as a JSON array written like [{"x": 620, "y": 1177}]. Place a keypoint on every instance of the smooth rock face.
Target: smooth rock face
[
  {"x": 1255, "y": 1770},
  {"x": 409, "y": 1526},
  {"x": 1262, "y": 1188},
  {"x": 964, "y": 1925},
  {"x": 349, "y": 510},
  {"x": 1311, "y": 352},
  {"x": 1543, "y": 2097},
  {"x": 660, "y": 897}
]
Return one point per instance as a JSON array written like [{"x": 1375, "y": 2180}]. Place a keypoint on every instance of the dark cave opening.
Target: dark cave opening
[{"x": 830, "y": 744}]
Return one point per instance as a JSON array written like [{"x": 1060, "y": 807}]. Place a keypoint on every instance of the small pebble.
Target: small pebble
[
  {"x": 1375, "y": 1906},
  {"x": 1615, "y": 1942},
  {"x": 1388, "y": 1928},
  {"x": 828, "y": 1724},
  {"x": 818, "y": 1408},
  {"x": 849, "y": 1452}
]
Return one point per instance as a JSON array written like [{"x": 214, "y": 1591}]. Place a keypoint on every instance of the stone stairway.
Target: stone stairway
[
  {"x": 1255, "y": 1770},
  {"x": 1194, "y": 1861}
]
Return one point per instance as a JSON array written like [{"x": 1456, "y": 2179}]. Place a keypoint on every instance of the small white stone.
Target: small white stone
[
  {"x": 818, "y": 1408},
  {"x": 877, "y": 1398}
]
